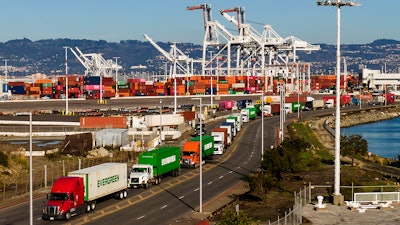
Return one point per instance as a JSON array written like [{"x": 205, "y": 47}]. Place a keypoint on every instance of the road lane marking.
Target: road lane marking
[
  {"x": 210, "y": 182},
  {"x": 231, "y": 171},
  {"x": 196, "y": 189},
  {"x": 181, "y": 197},
  {"x": 141, "y": 217},
  {"x": 221, "y": 177},
  {"x": 164, "y": 206}
]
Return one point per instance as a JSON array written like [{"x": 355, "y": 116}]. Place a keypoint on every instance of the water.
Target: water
[{"x": 383, "y": 137}]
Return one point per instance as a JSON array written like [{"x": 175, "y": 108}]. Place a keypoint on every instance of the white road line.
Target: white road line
[
  {"x": 181, "y": 197},
  {"x": 221, "y": 177},
  {"x": 164, "y": 206},
  {"x": 141, "y": 217},
  {"x": 196, "y": 189},
  {"x": 210, "y": 182},
  {"x": 39, "y": 218},
  {"x": 231, "y": 171}
]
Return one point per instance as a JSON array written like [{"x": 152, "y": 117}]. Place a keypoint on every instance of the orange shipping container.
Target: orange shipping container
[
  {"x": 103, "y": 122},
  {"x": 43, "y": 81}
]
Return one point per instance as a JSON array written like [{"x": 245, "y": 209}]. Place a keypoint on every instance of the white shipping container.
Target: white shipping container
[
  {"x": 164, "y": 120},
  {"x": 103, "y": 179},
  {"x": 112, "y": 137},
  {"x": 238, "y": 85}
]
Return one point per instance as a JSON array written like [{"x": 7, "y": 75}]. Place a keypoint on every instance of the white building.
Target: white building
[{"x": 379, "y": 81}]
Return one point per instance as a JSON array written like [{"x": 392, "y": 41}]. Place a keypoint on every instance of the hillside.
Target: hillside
[{"x": 48, "y": 56}]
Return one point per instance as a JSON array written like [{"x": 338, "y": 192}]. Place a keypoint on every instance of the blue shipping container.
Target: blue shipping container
[{"x": 4, "y": 88}]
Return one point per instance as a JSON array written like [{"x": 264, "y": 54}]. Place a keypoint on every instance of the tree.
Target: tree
[
  {"x": 285, "y": 158},
  {"x": 230, "y": 217},
  {"x": 260, "y": 184},
  {"x": 353, "y": 146}
]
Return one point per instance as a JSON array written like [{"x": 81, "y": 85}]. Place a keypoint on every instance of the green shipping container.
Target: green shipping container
[
  {"x": 296, "y": 106},
  {"x": 208, "y": 144},
  {"x": 164, "y": 159}
]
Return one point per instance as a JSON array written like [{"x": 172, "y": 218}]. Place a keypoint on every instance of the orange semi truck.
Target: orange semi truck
[{"x": 191, "y": 150}]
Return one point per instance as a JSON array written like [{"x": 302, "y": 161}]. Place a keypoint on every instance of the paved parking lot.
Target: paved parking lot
[{"x": 342, "y": 215}]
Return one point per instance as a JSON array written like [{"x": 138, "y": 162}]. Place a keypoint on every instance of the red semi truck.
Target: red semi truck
[{"x": 78, "y": 192}]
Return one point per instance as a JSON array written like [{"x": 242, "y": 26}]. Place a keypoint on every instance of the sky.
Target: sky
[{"x": 169, "y": 21}]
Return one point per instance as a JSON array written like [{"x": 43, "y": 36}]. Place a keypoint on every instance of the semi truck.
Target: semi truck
[
  {"x": 153, "y": 165},
  {"x": 220, "y": 140},
  {"x": 229, "y": 137},
  {"x": 78, "y": 192},
  {"x": 239, "y": 118},
  {"x": 271, "y": 110},
  {"x": 233, "y": 130},
  {"x": 248, "y": 114},
  {"x": 234, "y": 119},
  {"x": 191, "y": 150}
]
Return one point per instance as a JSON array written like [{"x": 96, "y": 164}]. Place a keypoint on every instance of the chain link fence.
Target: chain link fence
[{"x": 46, "y": 171}]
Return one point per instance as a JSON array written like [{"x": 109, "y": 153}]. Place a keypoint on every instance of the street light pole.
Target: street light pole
[
  {"x": 160, "y": 121},
  {"x": 5, "y": 70},
  {"x": 201, "y": 155},
  {"x": 211, "y": 77},
  {"x": 66, "y": 80},
  {"x": 116, "y": 77},
  {"x": 338, "y": 198}
]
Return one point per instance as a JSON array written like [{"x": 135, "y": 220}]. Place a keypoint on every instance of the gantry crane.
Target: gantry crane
[
  {"x": 217, "y": 39},
  {"x": 95, "y": 64},
  {"x": 182, "y": 64},
  {"x": 269, "y": 44}
]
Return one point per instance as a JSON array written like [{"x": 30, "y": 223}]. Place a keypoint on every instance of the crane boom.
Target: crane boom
[{"x": 155, "y": 45}]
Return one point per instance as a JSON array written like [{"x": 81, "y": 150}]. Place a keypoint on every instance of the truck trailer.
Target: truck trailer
[
  {"x": 191, "y": 150},
  {"x": 78, "y": 192},
  {"x": 220, "y": 140},
  {"x": 153, "y": 165}
]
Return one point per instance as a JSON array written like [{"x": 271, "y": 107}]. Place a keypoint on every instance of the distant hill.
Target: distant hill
[{"x": 48, "y": 56}]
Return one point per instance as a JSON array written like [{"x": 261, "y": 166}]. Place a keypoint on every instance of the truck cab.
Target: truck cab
[
  {"x": 191, "y": 154},
  {"x": 66, "y": 199},
  {"x": 140, "y": 176}
]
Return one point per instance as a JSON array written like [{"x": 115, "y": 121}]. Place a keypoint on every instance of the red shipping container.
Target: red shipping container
[{"x": 103, "y": 122}]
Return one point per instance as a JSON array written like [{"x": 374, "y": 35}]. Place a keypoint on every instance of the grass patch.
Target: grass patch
[{"x": 303, "y": 130}]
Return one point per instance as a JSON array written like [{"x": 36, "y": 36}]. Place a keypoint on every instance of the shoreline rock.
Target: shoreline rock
[{"x": 364, "y": 117}]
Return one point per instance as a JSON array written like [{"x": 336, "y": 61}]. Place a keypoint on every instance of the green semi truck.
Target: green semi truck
[
  {"x": 153, "y": 165},
  {"x": 249, "y": 114}
]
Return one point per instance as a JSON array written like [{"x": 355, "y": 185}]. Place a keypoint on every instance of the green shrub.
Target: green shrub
[{"x": 3, "y": 159}]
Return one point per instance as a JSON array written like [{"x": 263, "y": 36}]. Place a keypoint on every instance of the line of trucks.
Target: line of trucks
[
  {"x": 80, "y": 190},
  {"x": 293, "y": 104}
]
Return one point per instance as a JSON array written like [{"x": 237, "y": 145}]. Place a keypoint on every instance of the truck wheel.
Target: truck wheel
[
  {"x": 67, "y": 216},
  {"x": 125, "y": 194},
  {"x": 88, "y": 208},
  {"x": 121, "y": 195},
  {"x": 146, "y": 185},
  {"x": 159, "y": 180},
  {"x": 92, "y": 206}
]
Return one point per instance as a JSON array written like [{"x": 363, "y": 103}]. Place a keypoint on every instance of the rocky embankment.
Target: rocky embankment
[{"x": 363, "y": 117}]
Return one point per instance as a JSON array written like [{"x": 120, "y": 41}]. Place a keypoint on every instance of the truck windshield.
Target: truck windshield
[
  {"x": 188, "y": 153},
  {"x": 138, "y": 170},
  {"x": 58, "y": 196}
]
